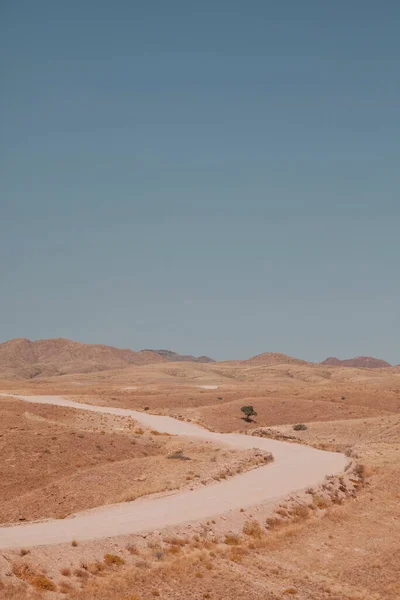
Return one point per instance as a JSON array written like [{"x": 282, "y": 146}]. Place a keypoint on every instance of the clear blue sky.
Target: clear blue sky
[{"x": 216, "y": 177}]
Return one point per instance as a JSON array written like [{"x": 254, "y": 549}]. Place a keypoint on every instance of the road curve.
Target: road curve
[{"x": 295, "y": 467}]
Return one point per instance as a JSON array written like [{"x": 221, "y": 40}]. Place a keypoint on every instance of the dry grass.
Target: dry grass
[
  {"x": 300, "y": 511},
  {"x": 320, "y": 501},
  {"x": 253, "y": 529},
  {"x": 113, "y": 559},
  {"x": 27, "y": 573}
]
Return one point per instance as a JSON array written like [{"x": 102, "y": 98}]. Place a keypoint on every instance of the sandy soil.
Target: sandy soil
[
  {"x": 60, "y": 460},
  {"x": 294, "y": 467}
]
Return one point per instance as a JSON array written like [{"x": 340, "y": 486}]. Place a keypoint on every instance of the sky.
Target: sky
[{"x": 216, "y": 178}]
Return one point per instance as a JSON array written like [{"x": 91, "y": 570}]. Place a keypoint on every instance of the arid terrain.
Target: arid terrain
[{"x": 338, "y": 540}]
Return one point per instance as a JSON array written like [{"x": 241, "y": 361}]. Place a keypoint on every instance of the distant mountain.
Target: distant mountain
[
  {"x": 23, "y": 359},
  {"x": 272, "y": 358},
  {"x": 175, "y": 357},
  {"x": 363, "y": 362}
]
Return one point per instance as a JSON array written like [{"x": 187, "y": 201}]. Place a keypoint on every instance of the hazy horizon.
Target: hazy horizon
[{"x": 213, "y": 179}]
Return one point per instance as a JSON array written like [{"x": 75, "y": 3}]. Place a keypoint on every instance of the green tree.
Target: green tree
[{"x": 249, "y": 412}]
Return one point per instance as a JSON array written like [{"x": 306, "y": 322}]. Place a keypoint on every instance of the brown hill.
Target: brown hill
[
  {"x": 175, "y": 357},
  {"x": 360, "y": 362},
  {"x": 23, "y": 359},
  {"x": 272, "y": 358}
]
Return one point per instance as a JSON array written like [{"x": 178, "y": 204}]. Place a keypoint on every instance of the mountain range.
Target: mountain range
[{"x": 22, "y": 358}]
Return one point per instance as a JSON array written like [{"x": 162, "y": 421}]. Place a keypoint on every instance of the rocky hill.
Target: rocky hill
[
  {"x": 360, "y": 362},
  {"x": 271, "y": 358},
  {"x": 23, "y": 359},
  {"x": 175, "y": 357}
]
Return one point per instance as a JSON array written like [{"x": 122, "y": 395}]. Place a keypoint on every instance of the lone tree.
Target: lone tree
[{"x": 249, "y": 412}]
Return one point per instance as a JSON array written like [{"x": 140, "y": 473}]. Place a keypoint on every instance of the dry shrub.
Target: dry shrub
[
  {"x": 39, "y": 581},
  {"x": 237, "y": 553},
  {"x": 66, "y": 572},
  {"x": 282, "y": 512},
  {"x": 231, "y": 539},
  {"x": 292, "y": 591},
  {"x": 178, "y": 455},
  {"x": 95, "y": 568},
  {"x": 23, "y": 552},
  {"x": 113, "y": 559},
  {"x": 65, "y": 588},
  {"x": 320, "y": 502},
  {"x": 174, "y": 550},
  {"x": 74, "y": 543},
  {"x": 80, "y": 573},
  {"x": 176, "y": 541},
  {"x": 132, "y": 549},
  {"x": 300, "y": 511},
  {"x": 252, "y": 528},
  {"x": 360, "y": 471},
  {"x": 273, "y": 522}
]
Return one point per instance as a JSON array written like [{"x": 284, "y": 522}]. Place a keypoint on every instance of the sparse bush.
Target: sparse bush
[
  {"x": 39, "y": 581},
  {"x": 80, "y": 573},
  {"x": 95, "y": 568},
  {"x": 252, "y": 528},
  {"x": 300, "y": 511},
  {"x": 232, "y": 539},
  {"x": 320, "y": 502},
  {"x": 248, "y": 412},
  {"x": 23, "y": 552},
  {"x": 359, "y": 470},
  {"x": 175, "y": 541},
  {"x": 74, "y": 543},
  {"x": 174, "y": 550},
  {"x": 65, "y": 588},
  {"x": 273, "y": 522},
  {"x": 113, "y": 559},
  {"x": 178, "y": 456},
  {"x": 300, "y": 427},
  {"x": 237, "y": 553}
]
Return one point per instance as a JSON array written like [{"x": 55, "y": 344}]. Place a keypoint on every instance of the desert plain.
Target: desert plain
[{"x": 336, "y": 539}]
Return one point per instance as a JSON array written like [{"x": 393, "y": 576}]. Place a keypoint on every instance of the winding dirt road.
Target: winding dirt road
[{"x": 295, "y": 467}]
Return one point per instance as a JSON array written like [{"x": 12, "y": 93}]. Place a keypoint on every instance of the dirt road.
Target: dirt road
[{"x": 295, "y": 467}]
